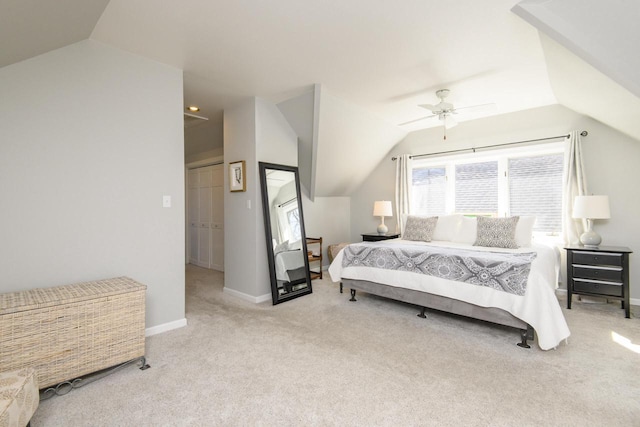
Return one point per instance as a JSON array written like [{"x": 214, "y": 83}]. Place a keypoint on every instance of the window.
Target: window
[
  {"x": 293, "y": 218},
  {"x": 520, "y": 181},
  {"x": 430, "y": 186}
]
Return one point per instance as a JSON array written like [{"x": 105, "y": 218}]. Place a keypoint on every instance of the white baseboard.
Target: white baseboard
[
  {"x": 165, "y": 327},
  {"x": 632, "y": 301},
  {"x": 247, "y": 297}
]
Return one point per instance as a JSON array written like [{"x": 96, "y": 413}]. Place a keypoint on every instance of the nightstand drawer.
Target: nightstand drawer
[
  {"x": 597, "y": 258},
  {"x": 597, "y": 287},
  {"x": 600, "y": 273}
]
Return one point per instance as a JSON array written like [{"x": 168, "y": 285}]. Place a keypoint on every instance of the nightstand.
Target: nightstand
[
  {"x": 600, "y": 272},
  {"x": 375, "y": 237}
]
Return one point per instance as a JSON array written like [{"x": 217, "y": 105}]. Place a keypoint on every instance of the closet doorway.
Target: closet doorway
[{"x": 205, "y": 206}]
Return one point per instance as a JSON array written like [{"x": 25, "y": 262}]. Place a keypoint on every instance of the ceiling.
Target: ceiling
[
  {"x": 381, "y": 56},
  {"x": 384, "y": 57}
]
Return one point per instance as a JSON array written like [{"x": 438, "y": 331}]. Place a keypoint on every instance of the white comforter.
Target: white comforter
[
  {"x": 539, "y": 306},
  {"x": 288, "y": 260}
]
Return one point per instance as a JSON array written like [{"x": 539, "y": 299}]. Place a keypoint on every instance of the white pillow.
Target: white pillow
[
  {"x": 447, "y": 227},
  {"x": 295, "y": 245},
  {"x": 468, "y": 231},
  {"x": 524, "y": 231},
  {"x": 281, "y": 247}
]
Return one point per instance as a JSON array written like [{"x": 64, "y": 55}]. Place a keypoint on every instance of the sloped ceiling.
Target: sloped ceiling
[
  {"x": 31, "y": 27},
  {"x": 384, "y": 57},
  {"x": 591, "y": 52},
  {"x": 381, "y": 57},
  {"x": 586, "y": 90}
]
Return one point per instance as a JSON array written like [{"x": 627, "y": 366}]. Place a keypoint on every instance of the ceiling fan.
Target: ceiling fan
[{"x": 445, "y": 111}]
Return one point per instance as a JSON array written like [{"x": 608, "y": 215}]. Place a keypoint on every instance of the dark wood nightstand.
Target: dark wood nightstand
[
  {"x": 601, "y": 272},
  {"x": 375, "y": 237}
]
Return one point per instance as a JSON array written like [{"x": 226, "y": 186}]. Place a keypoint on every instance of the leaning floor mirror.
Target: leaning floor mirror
[{"x": 284, "y": 230}]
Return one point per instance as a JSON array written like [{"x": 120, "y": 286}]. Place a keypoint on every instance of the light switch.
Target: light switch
[
  {"x": 166, "y": 201},
  {"x": 249, "y": 204}
]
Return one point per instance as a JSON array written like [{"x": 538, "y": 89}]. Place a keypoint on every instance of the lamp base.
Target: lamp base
[
  {"x": 382, "y": 229},
  {"x": 590, "y": 239}
]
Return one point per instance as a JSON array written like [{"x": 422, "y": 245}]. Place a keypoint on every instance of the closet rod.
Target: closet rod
[{"x": 583, "y": 133}]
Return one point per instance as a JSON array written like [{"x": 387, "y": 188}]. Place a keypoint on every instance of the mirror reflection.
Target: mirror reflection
[{"x": 284, "y": 228}]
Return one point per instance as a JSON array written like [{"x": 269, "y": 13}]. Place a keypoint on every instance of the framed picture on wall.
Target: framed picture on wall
[{"x": 237, "y": 179}]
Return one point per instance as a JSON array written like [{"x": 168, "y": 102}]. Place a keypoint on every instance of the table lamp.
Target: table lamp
[
  {"x": 590, "y": 208},
  {"x": 382, "y": 209}
]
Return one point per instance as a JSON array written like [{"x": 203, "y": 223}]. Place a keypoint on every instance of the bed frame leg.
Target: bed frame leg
[
  {"x": 340, "y": 287},
  {"x": 424, "y": 316},
  {"x": 353, "y": 295},
  {"x": 525, "y": 334}
]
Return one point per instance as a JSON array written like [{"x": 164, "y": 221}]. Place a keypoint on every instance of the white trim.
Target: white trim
[
  {"x": 206, "y": 162},
  {"x": 165, "y": 327},
  {"x": 247, "y": 297}
]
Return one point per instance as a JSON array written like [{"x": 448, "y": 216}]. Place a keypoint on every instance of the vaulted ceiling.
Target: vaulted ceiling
[{"x": 383, "y": 57}]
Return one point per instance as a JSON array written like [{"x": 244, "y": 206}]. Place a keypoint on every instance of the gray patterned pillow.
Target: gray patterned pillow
[
  {"x": 497, "y": 232},
  {"x": 420, "y": 228}
]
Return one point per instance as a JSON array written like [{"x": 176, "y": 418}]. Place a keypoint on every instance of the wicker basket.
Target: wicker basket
[{"x": 69, "y": 331}]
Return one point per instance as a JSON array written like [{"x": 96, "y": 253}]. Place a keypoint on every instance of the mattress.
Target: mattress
[{"x": 538, "y": 307}]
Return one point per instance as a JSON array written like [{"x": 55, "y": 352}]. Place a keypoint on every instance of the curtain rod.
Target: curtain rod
[
  {"x": 288, "y": 201},
  {"x": 583, "y": 133}
]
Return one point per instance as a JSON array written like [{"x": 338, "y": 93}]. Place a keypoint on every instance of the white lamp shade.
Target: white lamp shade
[
  {"x": 591, "y": 207},
  {"x": 382, "y": 208}
]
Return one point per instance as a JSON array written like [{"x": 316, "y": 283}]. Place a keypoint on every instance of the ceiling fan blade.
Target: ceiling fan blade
[
  {"x": 417, "y": 120},
  {"x": 482, "y": 108},
  {"x": 429, "y": 107}
]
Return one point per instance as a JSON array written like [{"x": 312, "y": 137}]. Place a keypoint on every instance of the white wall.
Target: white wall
[
  {"x": 91, "y": 138},
  {"x": 351, "y": 141},
  {"x": 329, "y": 218},
  {"x": 206, "y": 155},
  {"x": 610, "y": 161},
  {"x": 203, "y": 140},
  {"x": 299, "y": 112}
]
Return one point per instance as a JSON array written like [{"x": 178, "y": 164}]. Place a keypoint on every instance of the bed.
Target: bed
[
  {"x": 448, "y": 275},
  {"x": 289, "y": 266}
]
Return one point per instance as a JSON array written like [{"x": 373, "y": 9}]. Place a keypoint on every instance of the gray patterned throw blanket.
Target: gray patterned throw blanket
[{"x": 502, "y": 271}]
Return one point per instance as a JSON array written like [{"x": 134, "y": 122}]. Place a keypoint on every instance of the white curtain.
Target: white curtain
[
  {"x": 575, "y": 184},
  {"x": 403, "y": 189}
]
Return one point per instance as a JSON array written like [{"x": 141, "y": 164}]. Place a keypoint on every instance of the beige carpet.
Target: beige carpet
[{"x": 322, "y": 360}]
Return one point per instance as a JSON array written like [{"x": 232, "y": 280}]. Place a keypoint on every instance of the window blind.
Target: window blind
[
  {"x": 477, "y": 187},
  {"x": 535, "y": 188},
  {"x": 429, "y": 191}
]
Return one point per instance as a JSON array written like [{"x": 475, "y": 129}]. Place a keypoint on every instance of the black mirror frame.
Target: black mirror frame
[{"x": 276, "y": 297}]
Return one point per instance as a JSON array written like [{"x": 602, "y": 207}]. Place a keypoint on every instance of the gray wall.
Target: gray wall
[
  {"x": 254, "y": 131},
  {"x": 91, "y": 138},
  {"x": 329, "y": 218}
]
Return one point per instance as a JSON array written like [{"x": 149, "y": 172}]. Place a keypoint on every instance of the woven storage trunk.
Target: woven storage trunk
[{"x": 69, "y": 331}]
